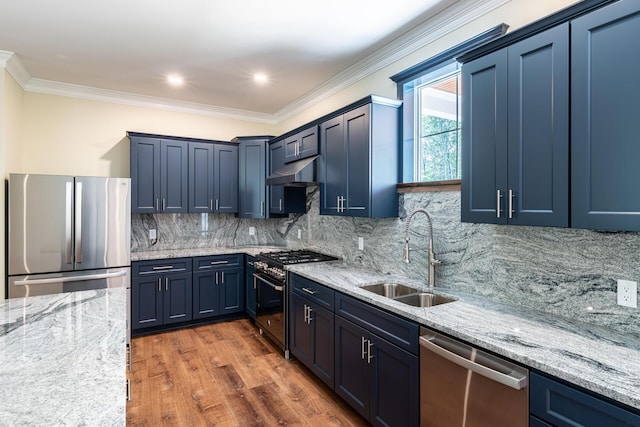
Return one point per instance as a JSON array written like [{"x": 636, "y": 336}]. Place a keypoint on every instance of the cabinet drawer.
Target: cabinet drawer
[
  {"x": 217, "y": 261},
  {"x": 562, "y": 405},
  {"x": 321, "y": 294},
  {"x": 394, "y": 329},
  {"x": 161, "y": 266}
]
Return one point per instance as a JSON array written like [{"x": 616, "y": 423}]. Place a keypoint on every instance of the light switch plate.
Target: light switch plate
[
  {"x": 360, "y": 243},
  {"x": 299, "y": 234},
  {"x": 252, "y": 231},
  {"x": 152, "y": 234},
  {"x": 628, "y": 293}
]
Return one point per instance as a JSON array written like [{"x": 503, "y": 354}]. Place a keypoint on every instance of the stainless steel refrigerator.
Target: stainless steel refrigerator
[{"x": 67, "y": 234}]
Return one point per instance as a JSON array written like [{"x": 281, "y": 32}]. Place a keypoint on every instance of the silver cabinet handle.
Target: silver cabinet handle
[
  {"x": 222, "y": 280},
  {"x": 280, "y": 205},
  {"x": 306, "y": 315},
  {"x": 217, "y": 205},
  {"x": 211, "y": 204},
  {"x": 309, "y": 310},
  {"x": 216, "y": 279},
  {"x": 309, "y": 291},
  {"x": 338, "y": 203},
  {"x": 362, "y": 344},
  {"x": 261, "y": 208},
  {"x": 369, "y": 356},
  {"x": 510, "y": 203},
  {"x": 164, "y": 204},
  {"x": 159, "y": 284},
  {"x": 78, "y": 222},
  {"x": 157, "y": 204},
  {"x": 499, "y": 204},
  {"x": 513, "y": 376},
  {"x": 219, "y": 262},
  {"x": 163, "y": 267},
  {"x": 68, "y": 220},
  {"x": 166, "y": 283}
]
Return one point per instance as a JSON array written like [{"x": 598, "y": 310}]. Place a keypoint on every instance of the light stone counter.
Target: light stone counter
[
  {"x": 63, "y": 359},
  {"x": 592, "y": 357},
  {"x": 193, "y": 252}
]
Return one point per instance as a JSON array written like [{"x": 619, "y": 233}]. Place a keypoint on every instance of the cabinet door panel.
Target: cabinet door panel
[
  {"x": 308, "y": 142},
  {"x": 174, "y": 183},
  {"x": 225, "y": 174},
  {"x": 178, "y": 301},
  {"x": 276, "y": 161},
  {"x": 538, "y": 128},
  {"x": 299, "y": 331},
  {"x": 604, "y": 122},
  {"x": 205, "y": 295},
  {"x": 251, "y": 179},
  {"x": 146, "y": 302},
  {"x": 145, "y": 174},
  {"x": 352, "y": 373},
  {"x": 200, "y": 177},
  {"x": 291, "y": 148},
  {"x": 484, "y": 138},
  {"x": 396, "y": 387},
  {"x": 356, "y": 140},
  {"x": 333, "y": 165},
  {"x": 322, "y": 344},
  {"x": 231, "y": 291}
]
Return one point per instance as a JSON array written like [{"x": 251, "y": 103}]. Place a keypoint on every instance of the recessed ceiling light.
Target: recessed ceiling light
[
  {"x": 261, "y": 78},
  {"x": 175, "y": 80}
]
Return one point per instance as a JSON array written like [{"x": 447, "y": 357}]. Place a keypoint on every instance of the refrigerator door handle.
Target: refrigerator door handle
[
  {"x": 69, "y": 279},
  {"x": 78, "y": 222},
  {"x": 68, "y": 220}
]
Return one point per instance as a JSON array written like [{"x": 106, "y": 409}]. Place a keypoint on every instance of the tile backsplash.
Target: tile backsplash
[{"x": 567, "y": 272}]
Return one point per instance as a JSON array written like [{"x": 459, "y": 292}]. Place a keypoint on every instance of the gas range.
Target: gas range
[
  {"x": 270, "y": 282},
  {"x": 274, "y": 264}
]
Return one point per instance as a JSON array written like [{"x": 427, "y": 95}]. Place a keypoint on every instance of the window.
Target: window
[{"x": 431, "y": 93}]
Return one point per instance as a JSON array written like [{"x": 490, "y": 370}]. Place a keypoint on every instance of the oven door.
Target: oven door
[{"x": 270, "y": 307}]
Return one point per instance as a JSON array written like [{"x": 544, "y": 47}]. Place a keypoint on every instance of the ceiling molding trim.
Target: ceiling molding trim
[
  {"x": 96, "y": 94},
  {"x": 445, "y": 22},
  {"x": 13, "y": 65}
]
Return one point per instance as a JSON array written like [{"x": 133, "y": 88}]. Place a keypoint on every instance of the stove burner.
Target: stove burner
[{"x": 296, "y": 257}]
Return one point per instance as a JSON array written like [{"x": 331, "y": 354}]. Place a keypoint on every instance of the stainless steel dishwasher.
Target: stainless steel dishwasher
[{"x": 461, "y": 386}]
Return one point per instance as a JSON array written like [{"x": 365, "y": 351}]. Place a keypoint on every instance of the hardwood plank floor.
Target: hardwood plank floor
[{"x": 226, "y": 374}]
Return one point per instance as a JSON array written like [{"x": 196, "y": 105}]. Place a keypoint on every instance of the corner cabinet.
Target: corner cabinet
[
  {"x": 360, "y": 161},
  {"x": 604, "y": 118},
  {"x": 515, "y": 140},
  {"x": 159, "y": 175}
]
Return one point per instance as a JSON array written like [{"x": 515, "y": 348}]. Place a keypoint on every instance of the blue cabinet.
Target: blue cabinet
[
  {"x": 604, "y": 119},
  {"x": 218, "y": 283},
  {"x": 360, "y": 161},
  {"x": 554, "y": 403},
  {"x": 311, "y": 327},
  {"x": 161, "y": 292},
  {"x": 515, "y": 152},
  {"x": 252, "y": 188},
  {"x": 159, "y": 175},
  {"x": 376, "y": 363},
  {"x": 276, "y": 161},
  {"x": 213, "y": 177},
  {"x": 301, "y": 145},
  {"x": 250, "y": 287}
]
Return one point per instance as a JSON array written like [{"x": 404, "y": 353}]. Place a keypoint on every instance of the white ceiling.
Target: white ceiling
[{"x": 217, "y": 45}]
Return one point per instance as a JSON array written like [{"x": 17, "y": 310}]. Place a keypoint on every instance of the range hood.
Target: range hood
[{"x": 299, "y": 173}]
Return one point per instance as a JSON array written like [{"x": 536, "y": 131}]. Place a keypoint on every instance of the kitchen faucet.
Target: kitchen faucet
[{"x": 433, "y": 262}]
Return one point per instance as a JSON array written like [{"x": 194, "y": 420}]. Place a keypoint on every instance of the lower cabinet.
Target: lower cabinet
[
  {"x": 250, "y": 288},
  {"x": 161, "y": 293},
  {"x": 553, "y": 403},
  {"x": 218, "y": 284}
]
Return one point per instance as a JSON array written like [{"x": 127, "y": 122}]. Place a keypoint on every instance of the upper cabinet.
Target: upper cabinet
[
  {"x": 283, "y": 199},
  {"x": 301, "y": 145},
  {"x": 252, "y": 188},
  {"x": 515, "y": 152},
  {"x": 604, "y": 118},
  {"x": 159, "y": 175},
  {"x": 173, "y": 175},
  {"x": 360, "y": 160}
]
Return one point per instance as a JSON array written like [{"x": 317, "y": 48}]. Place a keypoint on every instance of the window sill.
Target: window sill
[{"x": 425, "y": 187}]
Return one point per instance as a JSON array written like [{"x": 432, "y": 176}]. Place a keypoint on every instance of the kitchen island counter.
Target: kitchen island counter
[
  {"x": 598, "y": 359},
  {"x": 63, "y": 359}
]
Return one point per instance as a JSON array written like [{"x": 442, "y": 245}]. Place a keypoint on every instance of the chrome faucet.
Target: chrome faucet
[{"x": 433, "y": 262}]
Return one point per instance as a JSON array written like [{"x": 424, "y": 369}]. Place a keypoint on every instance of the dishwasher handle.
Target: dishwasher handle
[{"x": 512, "y": 376}]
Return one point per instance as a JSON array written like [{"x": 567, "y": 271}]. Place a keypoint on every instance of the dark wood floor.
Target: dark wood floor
[{"x": 226, "y": 374}]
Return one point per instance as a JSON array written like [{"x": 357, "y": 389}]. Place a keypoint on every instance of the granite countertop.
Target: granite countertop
[
  {"x": 593, "y": 357},
  {"x": 598, "y": 359},
  {"x": 63, "y": 359}
]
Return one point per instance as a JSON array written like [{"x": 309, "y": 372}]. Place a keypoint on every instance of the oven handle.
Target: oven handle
[{"x": 277, "y": 288}]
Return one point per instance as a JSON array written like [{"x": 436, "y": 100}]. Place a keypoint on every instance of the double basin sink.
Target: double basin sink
[{"x": 407, "y": 294}]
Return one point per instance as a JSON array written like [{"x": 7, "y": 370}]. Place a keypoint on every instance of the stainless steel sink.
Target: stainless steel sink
[
  {"x": 424, "y": 299},
  {"x": 407, "y": 294},
  {"x": 390, "y": 290}
]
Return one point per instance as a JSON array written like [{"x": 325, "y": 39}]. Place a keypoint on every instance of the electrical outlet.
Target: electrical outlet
[
  {"x": 252, "y": 231},
  {"x": 360, "y": 243},
  {"x": 299, "y": 234},
  {"x": 152, "y": 234},
  {"x": 628, "y": 293}
]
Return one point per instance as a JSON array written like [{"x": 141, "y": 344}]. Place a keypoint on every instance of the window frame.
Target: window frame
[{"x": 407, "y": 82}]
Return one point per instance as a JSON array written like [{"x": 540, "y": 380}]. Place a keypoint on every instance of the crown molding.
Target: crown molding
[
  {"x": 450, "y": 19},
  {"x": 440, "y": 25}
]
